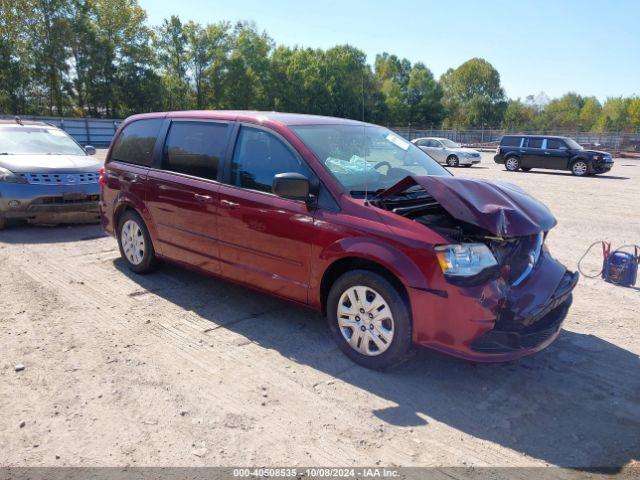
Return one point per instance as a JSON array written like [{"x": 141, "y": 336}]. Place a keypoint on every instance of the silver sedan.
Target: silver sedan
[
  {"x": 45, "y": 176},
  {"x": 444, "y": 151}
]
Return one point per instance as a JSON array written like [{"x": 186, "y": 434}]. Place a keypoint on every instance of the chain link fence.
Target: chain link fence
[
  {"x": 489, "y": 138},
  {"x": 99, "y": 132},
  {"x": 86, "y": 131}
]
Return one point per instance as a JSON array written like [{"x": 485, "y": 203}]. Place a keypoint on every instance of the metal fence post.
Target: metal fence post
[{"x": 86, "y": 127}]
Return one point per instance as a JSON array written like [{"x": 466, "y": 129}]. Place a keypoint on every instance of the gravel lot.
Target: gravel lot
[{"x": 177, "y": 369}]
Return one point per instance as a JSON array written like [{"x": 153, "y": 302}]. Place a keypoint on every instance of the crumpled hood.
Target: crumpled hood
[
  {"x": 503, "y": 209},
  {"x": 50, "y": 163}
]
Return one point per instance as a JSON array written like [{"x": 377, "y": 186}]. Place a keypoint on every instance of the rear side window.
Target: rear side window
[
  {"x": 535, "y": 143},
  {"x": 195, "y": 148},
  {"x": 259, "y": 156},
  {"x": 555, "y": 144},
  {"x": 135, "y": 143},
  {"x": 511, "y": 141}
]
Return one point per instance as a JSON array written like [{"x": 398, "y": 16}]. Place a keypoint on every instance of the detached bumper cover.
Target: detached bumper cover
[{"x": 543, "y": 325}]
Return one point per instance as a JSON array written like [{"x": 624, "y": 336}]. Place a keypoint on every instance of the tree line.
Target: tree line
[{"x": 100, "y": 58}]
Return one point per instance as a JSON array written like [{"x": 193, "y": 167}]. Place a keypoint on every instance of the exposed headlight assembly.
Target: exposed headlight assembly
[
  {"x": 8, "y": 176},
  {"x": 461, "y": 263}
]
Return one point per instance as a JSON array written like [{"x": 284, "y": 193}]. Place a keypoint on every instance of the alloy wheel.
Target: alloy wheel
[
  {"x": 580, "y": 168},
  {"x": 133, "y": 243},
  {"x": 512, "y": 164},
  {"x": 365, "y": 320}
]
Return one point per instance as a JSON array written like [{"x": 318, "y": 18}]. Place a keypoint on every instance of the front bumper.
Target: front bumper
[
  {"x": 469, "y": 160},
  {"x": 494, "y": 322},
  {"x": 602, "y": 167},
  {"x": 50, "y": 203},
  {"x": 543, "y": 325}
]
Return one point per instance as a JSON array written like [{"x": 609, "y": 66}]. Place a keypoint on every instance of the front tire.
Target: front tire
[
  {"x": 512, "y": 164},
  {"x": 580, "y": 168},
  {"x": 453, "y": 161},
  {"x": 3, "y": 222},
  {"x": 135, "y": 243},
  {"x": 369, "y": 319}
]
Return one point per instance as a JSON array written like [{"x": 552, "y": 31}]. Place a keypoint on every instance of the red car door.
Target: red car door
[
  {"x": 265, "y": 240},
  {"x": 183, "y": 193}
]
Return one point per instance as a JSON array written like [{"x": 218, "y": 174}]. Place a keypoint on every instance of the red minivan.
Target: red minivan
[{"x": 345, "y": 217}]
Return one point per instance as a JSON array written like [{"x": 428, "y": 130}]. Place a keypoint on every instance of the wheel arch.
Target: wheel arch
[
  {"x": 583, "y": 158},
  {"x": 345, "y": 264},
  {"x": 125, "y": 205}
]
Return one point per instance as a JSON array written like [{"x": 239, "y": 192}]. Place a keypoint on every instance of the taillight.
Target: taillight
[
  {"x": 101, "y": 178},
  {"x": 498, "y": 150}
]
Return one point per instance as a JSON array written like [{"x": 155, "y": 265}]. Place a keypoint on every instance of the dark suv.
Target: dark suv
[
  {"x": 345, "y": 217},
  {"x": 524, "y": 152}
]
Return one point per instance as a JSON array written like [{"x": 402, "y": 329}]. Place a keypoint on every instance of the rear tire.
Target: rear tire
[
  {"x": 135, "y": 244},
  {"x": 512, "y": 164},
  {"x": 369, "y": 319},
  {"x": 3, "y": 222},
  {"x": 453, "y": 161}
]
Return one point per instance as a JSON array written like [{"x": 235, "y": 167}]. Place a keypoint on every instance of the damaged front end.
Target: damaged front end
[{"x": 496, "y": 254}]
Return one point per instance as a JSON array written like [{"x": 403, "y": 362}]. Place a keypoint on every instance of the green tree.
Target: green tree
[
  {"x": 17, "y": 26},
  {"x": 518, "y": 116},
  {"x": 424, "y": 97},
  {"x": 563, "y": 112},
  {"x": 472, "y": 94},
  {"x": 589, "y": 113},
  {"x": 49, "y": 34},
  {"x": 247, "y": 77},
  {"x": 615, "y": 115},
  {"x": 173, "y": 56},
  {"x": 634, "y": 113},
  {"x": 206, "y": 56}
]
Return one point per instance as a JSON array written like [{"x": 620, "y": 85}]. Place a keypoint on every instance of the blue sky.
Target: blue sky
[{"x": 590, "y": 47}]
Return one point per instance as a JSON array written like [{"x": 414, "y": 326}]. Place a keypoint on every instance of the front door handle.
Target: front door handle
[
  {"x": 229, "y": 204},
  {"x": 202, "y": 198}
]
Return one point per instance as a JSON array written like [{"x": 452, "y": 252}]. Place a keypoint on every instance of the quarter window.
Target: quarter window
[
  {"x": 259, "y": 156},
  {"x": 135, "y": 143},
  {"x": 195, "y": 148},
  {"x": 511, "y": 141}
]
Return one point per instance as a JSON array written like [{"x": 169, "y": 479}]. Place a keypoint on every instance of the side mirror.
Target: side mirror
[
  {"x": 293, "y": 186},
  {"x": 91, "y": 150}
]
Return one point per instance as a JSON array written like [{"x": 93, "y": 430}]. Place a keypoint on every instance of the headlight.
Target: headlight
[
  {"x": 464, "y": 259},
  {"x": 8, "y": 176}
]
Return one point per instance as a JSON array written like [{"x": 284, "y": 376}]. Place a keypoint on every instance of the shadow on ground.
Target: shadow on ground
[
  {"x": 603, "y": 176},
  {"x": 576, "y": 404},
  {"x": 33, "y": 234}
]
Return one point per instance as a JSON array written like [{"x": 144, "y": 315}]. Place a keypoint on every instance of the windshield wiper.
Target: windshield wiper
[{"x": 368, "y": 193}]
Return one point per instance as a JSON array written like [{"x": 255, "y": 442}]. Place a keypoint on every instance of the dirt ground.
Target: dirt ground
[{"x": 177, "y": 369}]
